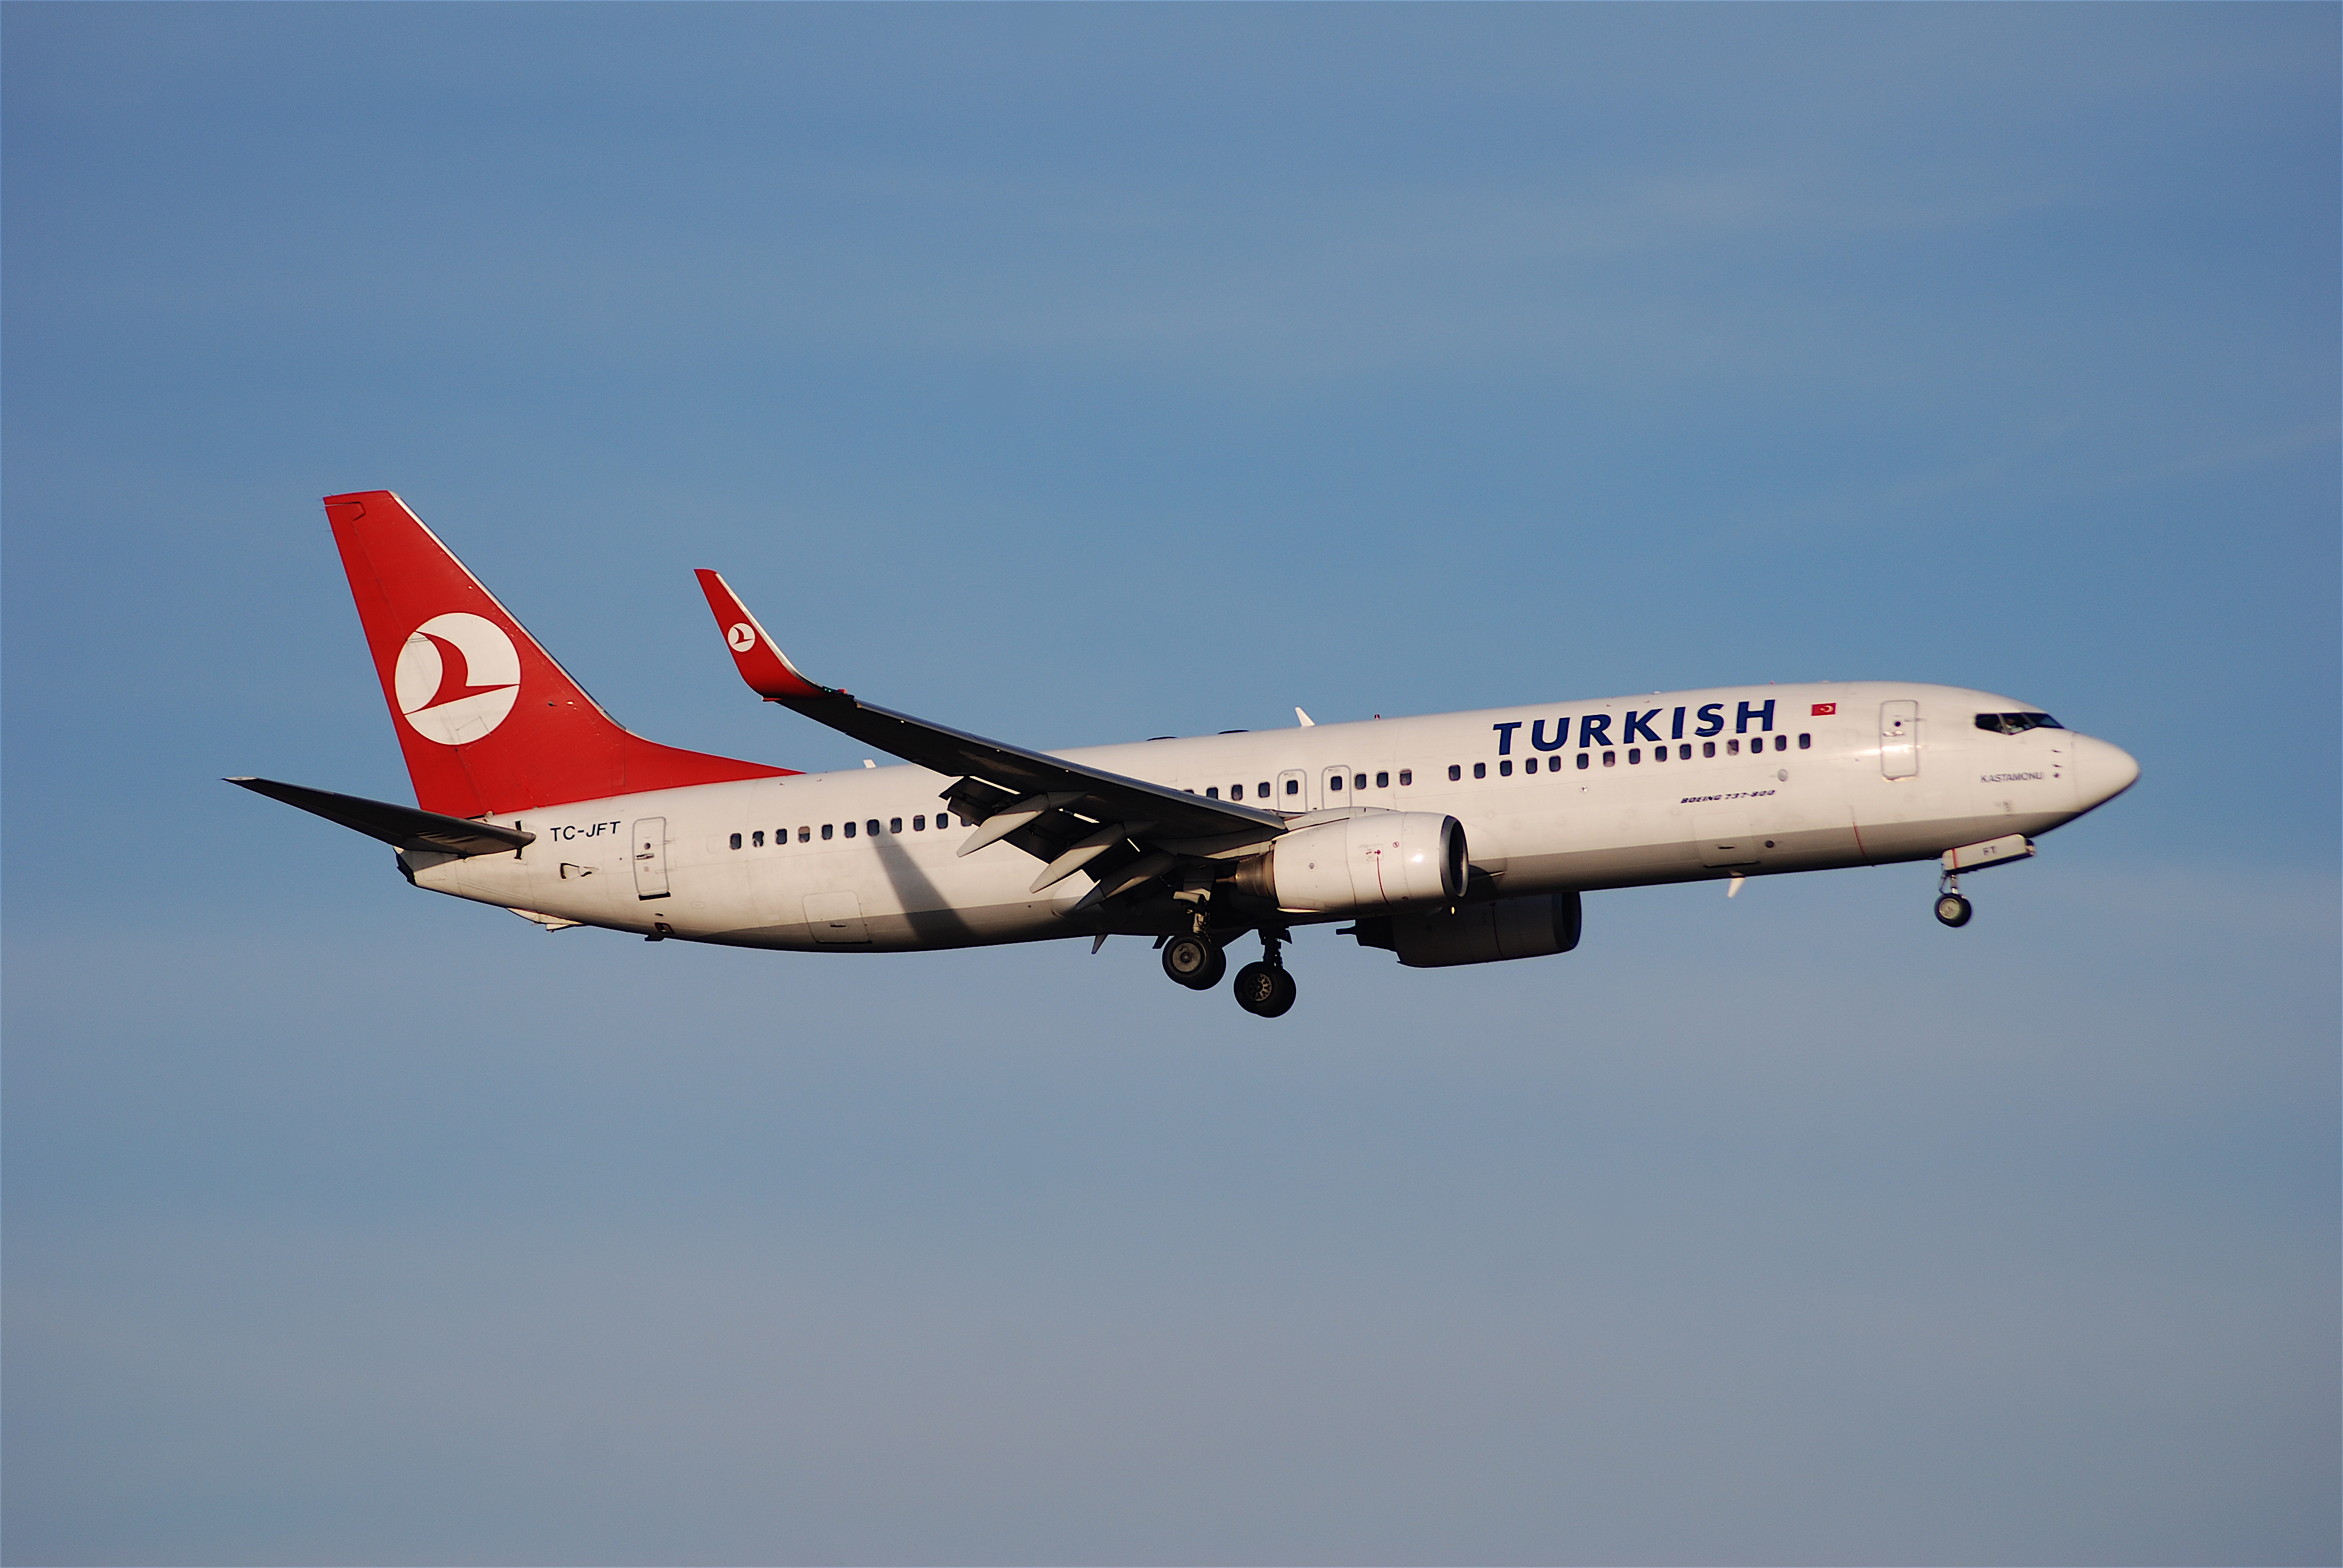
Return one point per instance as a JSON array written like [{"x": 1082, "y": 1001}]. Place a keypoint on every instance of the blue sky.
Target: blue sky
[{"x": 1072, "y": 374}]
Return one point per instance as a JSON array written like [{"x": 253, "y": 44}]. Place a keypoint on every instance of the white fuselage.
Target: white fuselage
[{"x": 1768, "y": 787}]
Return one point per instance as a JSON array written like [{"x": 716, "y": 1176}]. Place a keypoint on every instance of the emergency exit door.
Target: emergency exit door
[
  {"x": 1899, "y": 739},
  {"x": 649, "y": 847}
]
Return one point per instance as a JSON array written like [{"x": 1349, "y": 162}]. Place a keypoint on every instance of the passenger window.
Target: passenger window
[
  {"x": 1406, "y": 777},
  {"x": 1383, "y": 780},
  {"x": 1609, "y": 759},
  {"x": 1504, "y": 770},
  {"x": 1360, "y": 781},
  {"x": 919, "y": 824},
  {"x": 1708, "y": 749},
  {"x": 1806, "y": 742},
  {"x": 1732, "y": 748},
  {"x": 1659, "y": 754},
  {"x": 757, "y": 839},
  {"x": 1212, "y": 792},
  {"x": 871, "y": 827},
  {"x": 1261, "y": 790},
  {"x": 1455, "y": 772},
  {"x": 1336, "y": 783},
  {"x": 735, "y": 840},
  {"x": 849, "y": 829},
  {"x": 1480, "y": 770},
  {"x": 1581, "y": 759},
  {"x": 1683, "y": 753},
  {"x": 1780, "y": 743},
  {"x": 805, "y": 833},
  {"x": 1293, "y": 786},
  {"x": 894, "y": 824},
  {"x": 826, "y": 827}
]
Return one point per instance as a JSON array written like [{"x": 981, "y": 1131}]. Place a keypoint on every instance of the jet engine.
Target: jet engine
[
  {"x": 1375, "y": 860},
  {"x": 1502, "y": 929}
]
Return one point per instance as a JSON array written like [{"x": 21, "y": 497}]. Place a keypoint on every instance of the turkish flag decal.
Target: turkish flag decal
[{"x": 1823, "y": 710}]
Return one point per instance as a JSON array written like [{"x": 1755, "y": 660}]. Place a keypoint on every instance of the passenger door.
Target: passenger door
[
  {"x": 649, "y": 851},
  {"x": 1899, "y": 739}
]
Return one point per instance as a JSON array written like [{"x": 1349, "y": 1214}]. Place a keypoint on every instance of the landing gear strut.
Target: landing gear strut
[
  {"x": 1264, "y": 990},
  {"x": 1951, "y": 907}
]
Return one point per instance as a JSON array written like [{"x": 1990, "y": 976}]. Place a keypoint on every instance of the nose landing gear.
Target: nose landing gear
[{"x": 1951, "y": 907}]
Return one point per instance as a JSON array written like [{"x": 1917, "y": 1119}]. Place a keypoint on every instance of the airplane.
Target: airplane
[{"x": 1447, "y": 838}]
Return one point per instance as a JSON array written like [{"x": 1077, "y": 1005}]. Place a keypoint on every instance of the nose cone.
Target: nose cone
[{"x": 2102, "y": 771}]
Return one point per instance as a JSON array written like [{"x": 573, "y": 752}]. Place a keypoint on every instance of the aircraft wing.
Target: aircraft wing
[{"x": 1045, "y": 805}]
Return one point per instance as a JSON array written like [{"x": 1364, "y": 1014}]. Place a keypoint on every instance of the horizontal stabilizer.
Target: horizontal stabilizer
[{"x": 403, "y": 826}]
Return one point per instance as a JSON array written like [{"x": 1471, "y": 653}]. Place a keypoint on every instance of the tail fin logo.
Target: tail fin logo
[
  {"x": 742, "y": 636},
  {"x": 458, "y": 677}
]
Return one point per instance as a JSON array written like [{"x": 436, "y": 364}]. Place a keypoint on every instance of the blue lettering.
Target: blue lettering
[
  {"x": 1505, "y": 736},
  {"x": 1712, "y": 718},
  {"x": 1594, "y": 729},
  {"x": 1676, "y": 728},
  {"x": 1561, "y": 735},
  {"x": 1766, "y": 714},
  {"x": 1639, "y": 724}
]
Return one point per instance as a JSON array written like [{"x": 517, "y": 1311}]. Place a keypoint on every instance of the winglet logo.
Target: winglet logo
[
  {"x": 456, "y": 678},
  {"x": 742, "y": 636}
]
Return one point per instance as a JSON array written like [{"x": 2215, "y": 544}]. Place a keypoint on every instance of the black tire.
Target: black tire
[
  {"x": 1954, "y": 909},
  {"x": 1264, "y": 990},
  {"x": 1194, "y": 962},
  {"x": 1286, "y": 991}
]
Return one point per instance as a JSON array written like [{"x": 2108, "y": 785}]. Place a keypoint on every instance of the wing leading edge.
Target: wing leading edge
[{"x": 1124, "y": 831}]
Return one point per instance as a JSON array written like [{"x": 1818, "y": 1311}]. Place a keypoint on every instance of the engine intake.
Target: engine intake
[{"x": 1373, "y": 861}]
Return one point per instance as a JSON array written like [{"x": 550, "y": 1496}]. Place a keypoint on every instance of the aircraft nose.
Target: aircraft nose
[{"x": 2102, "y": 771}]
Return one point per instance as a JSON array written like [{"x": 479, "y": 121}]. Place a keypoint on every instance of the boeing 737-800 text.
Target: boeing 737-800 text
[{"x": 1453, "y": 838}]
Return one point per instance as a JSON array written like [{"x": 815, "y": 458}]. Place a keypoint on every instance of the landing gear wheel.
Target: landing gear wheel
[
  {"x": 1264, "y": 990},
  {"x": 1953, "y": 910},
  {"x": 1194, "y": 962}
]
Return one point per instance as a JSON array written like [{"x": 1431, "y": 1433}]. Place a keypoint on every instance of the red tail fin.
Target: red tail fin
[{"x": 488, "y": 722}]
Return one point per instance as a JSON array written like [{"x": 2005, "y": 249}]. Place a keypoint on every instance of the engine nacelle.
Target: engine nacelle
[
  {"x": 1375, "y": 860},
  {"x": 1528, "y": 927}
]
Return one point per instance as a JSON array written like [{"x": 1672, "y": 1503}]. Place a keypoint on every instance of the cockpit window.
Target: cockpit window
[{"x": 2016, "y": 723}]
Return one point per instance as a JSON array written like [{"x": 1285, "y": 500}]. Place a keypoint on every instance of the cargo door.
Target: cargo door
[
  {"x": 1726, "y": 837},
  {"x": 836, "y": 919},
  {"x": 651, "y": 858},
  {"x": 1899, "y": 739}
]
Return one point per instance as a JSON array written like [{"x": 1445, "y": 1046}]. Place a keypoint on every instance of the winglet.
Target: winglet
[{"x": 762, "y": 663}]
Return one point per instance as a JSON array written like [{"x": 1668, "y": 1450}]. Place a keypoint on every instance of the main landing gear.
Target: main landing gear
[
  {"x": 1262, "y": 988},
  {"x": 1195, "y": 961},
  {"x": 1951, "y": 907}
]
